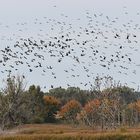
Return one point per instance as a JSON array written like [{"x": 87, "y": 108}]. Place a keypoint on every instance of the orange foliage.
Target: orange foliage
[
  {"x": 92, "y": 106},
  {"x": 50, "y": 100},
  {"x": 72, "y": 105},
  {"x": 135, "y": 105},
  {"x": 138, "y": 105}
]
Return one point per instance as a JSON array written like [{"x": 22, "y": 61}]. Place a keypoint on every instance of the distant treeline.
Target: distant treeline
[{"x": 113, "y": 106}]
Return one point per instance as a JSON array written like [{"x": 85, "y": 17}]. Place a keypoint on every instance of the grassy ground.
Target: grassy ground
[{"x": 64, "y": 132}]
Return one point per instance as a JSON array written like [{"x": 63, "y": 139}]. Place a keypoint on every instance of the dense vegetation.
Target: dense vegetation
[{"x": 106, "y": 106}]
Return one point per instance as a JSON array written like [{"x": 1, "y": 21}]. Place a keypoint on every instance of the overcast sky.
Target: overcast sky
[
  {"x": 19, "y": 11},
  {"x": 9, "y": 10}
]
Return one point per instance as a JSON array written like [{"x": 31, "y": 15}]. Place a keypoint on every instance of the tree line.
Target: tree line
[{"x": 107, "y": 105}]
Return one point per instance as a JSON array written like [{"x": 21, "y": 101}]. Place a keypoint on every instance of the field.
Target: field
[{"x": 65, "y": 132}]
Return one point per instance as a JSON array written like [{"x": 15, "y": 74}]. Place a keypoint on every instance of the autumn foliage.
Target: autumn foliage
[
  {"x": 52, "y": 105},
  {"x": 50, "y": 100},
  {"x": 92, "y": 106},
  {"x": 69, "y": 110}
]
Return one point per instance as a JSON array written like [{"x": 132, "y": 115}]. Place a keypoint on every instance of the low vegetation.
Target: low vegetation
[{"x": 65, "y": 132}]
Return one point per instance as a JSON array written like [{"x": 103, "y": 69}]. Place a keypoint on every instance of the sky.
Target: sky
[
  {"x": 26, "y": 9},
  {"x": 13, "y": 13}
]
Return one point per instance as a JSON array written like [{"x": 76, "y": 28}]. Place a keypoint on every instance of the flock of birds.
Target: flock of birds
[{"x": 100, "y": 42}]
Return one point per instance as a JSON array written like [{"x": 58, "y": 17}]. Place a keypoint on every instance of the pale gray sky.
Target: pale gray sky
[
  {"x": 13, "y": 13},
  {"x": 23, "y": 9}
]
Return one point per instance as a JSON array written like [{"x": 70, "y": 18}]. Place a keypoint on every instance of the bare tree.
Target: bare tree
[{"x": 11, "y": 102}]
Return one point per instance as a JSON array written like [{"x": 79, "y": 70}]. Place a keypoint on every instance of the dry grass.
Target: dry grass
[{"x": 64, "y": 132}]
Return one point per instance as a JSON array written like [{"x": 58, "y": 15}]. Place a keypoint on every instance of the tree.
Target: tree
[
  {"x": 51, "y": 107},
  {"x": 11, "y": 103},
  {"x": 89, "y": 115},
  {"x": 65, "y": 95},
  {"x": 70, "y": 110},
  {"x": 35, "y": 105},
  {"x": 134, "y": 112}
]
